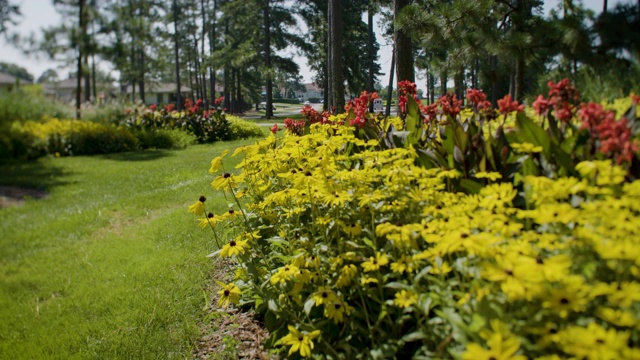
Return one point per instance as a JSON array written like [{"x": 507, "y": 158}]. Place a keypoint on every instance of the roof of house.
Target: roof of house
[
  {"x": 7, "y": 79},
  {"x": 311, "y": 87},
  {"x": 161, "y": 88},
  {"x": 71, "y": 84}
]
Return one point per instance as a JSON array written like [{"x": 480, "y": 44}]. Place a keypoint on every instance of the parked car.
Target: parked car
[
  {"x": 307, "y": 103},
  {"x": 377, "y": 105}
]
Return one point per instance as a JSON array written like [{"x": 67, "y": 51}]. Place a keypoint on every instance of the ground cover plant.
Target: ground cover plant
[
  {"x": 473, "y": 234},
  {"x": 98, "y": 268}
]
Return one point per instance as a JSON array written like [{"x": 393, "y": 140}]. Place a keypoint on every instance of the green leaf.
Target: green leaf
[
  {"x": 472, "y": 187},
  {"x": 273, "y": 306},
  {"x": 397, "y": 286},
  {"x": 414, "y": 336},
  {"x": 308, "y": 305},
  {"x": 532, "y": 133}
]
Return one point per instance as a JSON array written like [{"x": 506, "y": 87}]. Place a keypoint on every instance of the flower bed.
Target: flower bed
[{"x": 451, "y": 238}]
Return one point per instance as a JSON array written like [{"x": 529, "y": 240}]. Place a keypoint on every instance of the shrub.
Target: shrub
[
  {"x": 353, "y": 245},
  {"x": 242, "y": 129},
  {"x": 164, "y": 139},
  {"x": 29, "y": 103},
  {"x": 33, "y": 139}
]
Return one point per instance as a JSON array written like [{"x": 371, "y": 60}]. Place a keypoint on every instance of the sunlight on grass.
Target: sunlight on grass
[{"x": 110, "y": 265}]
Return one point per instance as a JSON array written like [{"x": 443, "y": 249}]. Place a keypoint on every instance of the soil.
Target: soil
[
  {"x": 229, "y": 333},
  {"x": 15, "y": 196}
]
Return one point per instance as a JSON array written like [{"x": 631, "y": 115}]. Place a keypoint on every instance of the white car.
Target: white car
[{"x": 307, "y": 103}]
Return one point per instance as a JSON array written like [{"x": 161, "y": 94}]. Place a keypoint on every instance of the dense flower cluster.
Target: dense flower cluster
[
  {"x": 360, "y": 107},
  {"x": 459, "y": 242}
]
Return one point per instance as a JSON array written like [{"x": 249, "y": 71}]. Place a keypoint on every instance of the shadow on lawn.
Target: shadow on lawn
[
  {"x": 145, "y": 155},
  {"x": 20, "y": 181}
]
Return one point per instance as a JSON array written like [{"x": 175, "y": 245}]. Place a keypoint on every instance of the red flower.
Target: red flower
[
  {"x": 541, "y": 105},
  {"x": 199, "y": 103},
  {"x": 616, "y": 141},
  {"x": 635, "y": 98},
  {"x": 429, "y": 111},
  {"x": 450, "y": 105},
  {"x": 475, "y": 97},
  {"x": 218, "y": 101},
  {"x": 153, "y": 107},
  {"x": 275, "y": 128},
  {"x": 296, "y": 127},
  {"x": 507, "y": 105},
  {"x": 592, "y": 115}
]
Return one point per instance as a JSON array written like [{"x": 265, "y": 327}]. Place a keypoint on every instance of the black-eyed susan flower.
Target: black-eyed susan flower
[
  {"x": 234, "y": 247},
  {"x": 337, "y": 311},
  {"x": 324, "y": 295},
  {"x": 230, "y": 293},
  {"x": 198, "y": 207},
  {"x": 299, "y": 341},
  {"x": 405, "y": 298},
  {"x": 375, "y": 263}
]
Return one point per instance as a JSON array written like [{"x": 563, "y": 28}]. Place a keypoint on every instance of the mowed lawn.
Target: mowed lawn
[{"x": 110, "y": 265}]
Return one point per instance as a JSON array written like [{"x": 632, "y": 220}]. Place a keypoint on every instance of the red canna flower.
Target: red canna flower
[
  {"x": 475, "y": 97},
  {"x": 275, "y": 128},
  {"x": 541, "y": 105},
  {"x": 507, "y": 105}
]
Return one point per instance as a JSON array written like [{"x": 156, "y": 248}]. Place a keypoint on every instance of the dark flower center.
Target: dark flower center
[
  {"x": 210, "y": 215},
  {"x": 227, "y": 175},
  {"x": 337, "y": 306},
  {"x": 564, "y": 301},
  {"x": 227, "y": 292},
  {"x": 232, "y": 243},
  {"x": 325, "y": 295},
  {"x": 202, "y": 199}
]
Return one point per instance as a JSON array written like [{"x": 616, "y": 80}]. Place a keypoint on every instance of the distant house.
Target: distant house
[
  {"x": 160, "y": 93},
  {"x": 311, "y": 91},
  {"x": 65, "y": 90},
  {"x": 7, "y": 82}
]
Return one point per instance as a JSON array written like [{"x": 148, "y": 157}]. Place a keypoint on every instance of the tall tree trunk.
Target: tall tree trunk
[
  {"x": 212, "y": 42},
  {"x": 443, "y": 81},
  {"x": 204, "y": 72},
  {"x": 93, "y": 76},
  {"x": 390, "y": 88},
  {"x": 239, "y": 100},
  {"x": 404, "y": 49},
  {"x": 370, "y": 52},
  {"x": 141, "y": 84},
  {"x": 605, "y": 4},
  {"x": 520, "y": 64},
  {"x": 177, "y": 58},
  {"x": 87, "y": 79},
  {"x": 190, "y": 71},
  {"x": 196, "y": 67},
  {"x": 81, "y": 10},
  {"x": 335, "y": 61},
  {"x": 267, "y": 58}
]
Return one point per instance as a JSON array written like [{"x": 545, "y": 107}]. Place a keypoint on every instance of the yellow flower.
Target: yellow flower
[
  {"x": 216, "y": 163},
  {"x": 493, "y": 176},
  {"x": 375, "y": 263},
  {"x": 525, "y": 148},
  {"x": 593, "y": 342},
  {"x": 229, "y": 293},
  {"x": 210, "y": 221},
  {"x": 284, "y": 273},
  {"x": 324, "y": 295},
  {"x": 337, "y": 310},
  {"x": 198, "y": 207},
  {"x": 225, "y": 181},
  {"x": 299, "y": 341},
  {"x": 347, "y": 273},
  {"x": 503, "y": 345},
  {"x": 234, "y": 247},
  {"x": 617, "y": 317},
  {"x": 405, "y": 298}
]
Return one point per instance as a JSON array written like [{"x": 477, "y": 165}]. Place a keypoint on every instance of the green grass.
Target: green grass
[{"x": 111, "y": 265}]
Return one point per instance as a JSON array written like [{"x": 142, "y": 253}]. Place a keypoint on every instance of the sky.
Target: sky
[{"x": 39, "y": 14}]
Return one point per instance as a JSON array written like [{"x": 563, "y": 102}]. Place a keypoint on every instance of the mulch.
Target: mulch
[{"x": 247, "y": 332}]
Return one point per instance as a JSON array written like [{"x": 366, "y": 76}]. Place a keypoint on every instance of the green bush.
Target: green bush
[
  {"x": 29, "y": 103},
  {"x": 31, "y": 139},
  {"x": 164, "y": 139},
  {"x": 112, "y": 112},
  {"x": 242, "y": 129},
  {"x": 287, "y": 101}
]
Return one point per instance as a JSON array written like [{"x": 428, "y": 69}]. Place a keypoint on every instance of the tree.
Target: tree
[
  {"x": 8, "y": 12},
  {"x": 49, "y": 75},
  {"x": 16, "y": 71},
  {"x": 334, "y": 57},
  {"x": 403, "y": 47}
]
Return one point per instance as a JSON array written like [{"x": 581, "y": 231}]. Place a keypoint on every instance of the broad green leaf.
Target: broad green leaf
[
  {"x": 472, "y": 187},
  {"x": 531, "y": 132}
]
